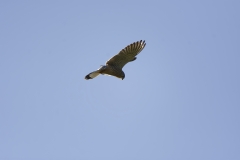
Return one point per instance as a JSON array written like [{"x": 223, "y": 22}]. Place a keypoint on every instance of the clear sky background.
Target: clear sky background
[{"x": 180, "y": 100}]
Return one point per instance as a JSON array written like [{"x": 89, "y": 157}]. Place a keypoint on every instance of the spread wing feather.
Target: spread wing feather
[{"x": 127, "y": 54}]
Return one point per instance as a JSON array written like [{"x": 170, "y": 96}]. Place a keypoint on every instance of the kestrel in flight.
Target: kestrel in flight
[{"x": 115, "y": 64}]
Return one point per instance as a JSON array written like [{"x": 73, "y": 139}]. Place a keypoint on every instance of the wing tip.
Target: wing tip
[{"x": 143, "y": 43}]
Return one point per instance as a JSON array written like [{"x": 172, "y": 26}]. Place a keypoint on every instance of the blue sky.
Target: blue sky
[{"x": 180, "y": 100}]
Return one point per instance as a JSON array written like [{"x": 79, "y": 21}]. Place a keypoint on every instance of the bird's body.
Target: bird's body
[
  {"x": 115, "y": 64},
  {"x": 108, "y": 70}
]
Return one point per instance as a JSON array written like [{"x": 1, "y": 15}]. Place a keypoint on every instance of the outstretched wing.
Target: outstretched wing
[{"x": 127, "y": 54}]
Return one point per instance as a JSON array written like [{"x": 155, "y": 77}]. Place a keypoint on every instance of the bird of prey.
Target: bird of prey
[{"x": 115, "y": 64}]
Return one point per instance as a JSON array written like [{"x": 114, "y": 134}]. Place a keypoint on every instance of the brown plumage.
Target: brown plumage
[{"x": 115, "y": 64}]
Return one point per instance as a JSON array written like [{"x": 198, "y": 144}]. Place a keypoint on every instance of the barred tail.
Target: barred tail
[{"x": 92, "y": 75}]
